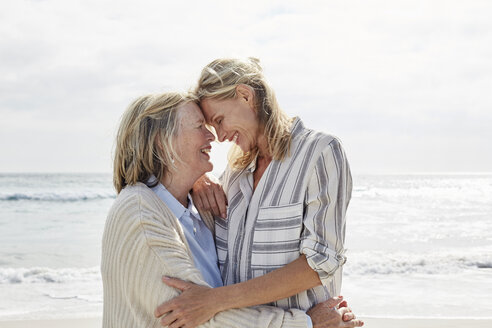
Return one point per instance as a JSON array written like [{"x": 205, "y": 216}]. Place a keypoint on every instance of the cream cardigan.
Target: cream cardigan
[{"x": 143, "y": 241}]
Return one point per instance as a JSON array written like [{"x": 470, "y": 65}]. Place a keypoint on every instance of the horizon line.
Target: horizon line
[{"x": 353, "y": 173}]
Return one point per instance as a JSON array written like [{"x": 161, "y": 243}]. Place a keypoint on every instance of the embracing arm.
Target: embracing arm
[
  {"x": 189, "y": 307},
  {"x": 332, "y": 313},
  {"x": 257, "y": 317},
  {"x": 155, "y": 245},
  {"x": 278, "y": 284},
  {"x": 244, "y": 317}
]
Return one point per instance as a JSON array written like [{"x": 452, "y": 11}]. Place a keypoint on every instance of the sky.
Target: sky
[{"x": 406, "y": 85}]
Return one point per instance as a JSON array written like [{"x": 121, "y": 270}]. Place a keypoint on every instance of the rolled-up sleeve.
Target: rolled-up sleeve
[{"x": 327, "y": 197}]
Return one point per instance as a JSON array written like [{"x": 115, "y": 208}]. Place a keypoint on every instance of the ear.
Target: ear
[{"x": 246, "y": 93}]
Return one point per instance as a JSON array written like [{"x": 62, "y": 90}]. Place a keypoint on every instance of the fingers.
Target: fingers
[
  {"x": 343, "y": 304},
  {"x": 348, "y": 316},
  {"x": 197, "y": 201},
  {"x": 175, "y": 325},
  {"x": 200, "y": 201},
  {"x": 206, "y": 204},
  {"x": 333, "y": 302},
  {"x": 353, "y": 323},
  {"x": 208, "y": 195},
  {"x": 349, "y": 319},
  {"x": 221, "y": 201},
  {"x": 212, "y": 201},
  {"x": 167, "y": 320},
  {"x": 163, "y": 309},
  {"x": 176, "y": 283},
  {"x": 344, "y": 310}
]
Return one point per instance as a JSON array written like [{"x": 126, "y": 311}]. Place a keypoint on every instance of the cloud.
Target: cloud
[{"x": 397, "y": 74}]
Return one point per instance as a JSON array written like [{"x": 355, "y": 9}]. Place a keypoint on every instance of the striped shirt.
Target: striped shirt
[{"x": 298, "y": 207}]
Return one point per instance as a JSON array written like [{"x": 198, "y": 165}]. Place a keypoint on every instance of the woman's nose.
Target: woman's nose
[{"x": 220, "y": 135}]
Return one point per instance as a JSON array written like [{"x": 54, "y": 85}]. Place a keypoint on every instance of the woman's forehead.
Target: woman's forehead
[
  {"x": 209, "y": 108},
  {"x": 190, "y": 113}
]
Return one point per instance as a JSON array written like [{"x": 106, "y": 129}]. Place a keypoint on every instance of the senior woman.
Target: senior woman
[
  {"x": 153, "y": 229},
  {"x": 288, "y": 188}
]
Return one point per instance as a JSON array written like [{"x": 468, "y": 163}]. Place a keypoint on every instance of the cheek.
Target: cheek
[{"x": 183, "y": 146}]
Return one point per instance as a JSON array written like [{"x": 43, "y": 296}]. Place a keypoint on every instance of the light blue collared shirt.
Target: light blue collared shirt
[{"x": 197, "y": 234}]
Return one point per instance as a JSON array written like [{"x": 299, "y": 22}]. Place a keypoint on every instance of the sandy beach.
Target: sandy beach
[
  {"x": 426, "y": 323},
  {"x": 369, "y": 322},
  {"x": 53, "y": 323}
]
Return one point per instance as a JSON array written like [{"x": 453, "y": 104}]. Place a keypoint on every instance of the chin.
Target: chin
[
  {"x": 244, "y": 148},
  {"x": 247, "y": 146},
  {"x": 207, "y": 168}
]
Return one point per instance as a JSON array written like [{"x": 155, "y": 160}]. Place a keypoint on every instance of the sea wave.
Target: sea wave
[
  {"x": 401, "y": 264},
  {"x": 57, "y": 196},
  {"x": 471, "y": 189},
  {"x": 438, "y": 193},
  {"x": 370, "y": 263},
  {"x": 48, "y": 275}
]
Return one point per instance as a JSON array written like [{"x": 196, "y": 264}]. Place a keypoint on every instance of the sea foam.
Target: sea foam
[
  {"x": 56, "y": 196},
  {"x": 48, "y": 275},
  {"x": 380, "y": 263}
]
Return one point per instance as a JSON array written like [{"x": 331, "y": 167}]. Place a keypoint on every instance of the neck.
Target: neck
[
  {"x": 179, "y": 186},
  {"x": 262, "y": 145}
]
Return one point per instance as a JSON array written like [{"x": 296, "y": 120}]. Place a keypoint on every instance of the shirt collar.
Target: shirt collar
[
  {"x": 297, "y": 127},
  {"x": 252, "y": 166},
  {"x": 174, "y": 205}
]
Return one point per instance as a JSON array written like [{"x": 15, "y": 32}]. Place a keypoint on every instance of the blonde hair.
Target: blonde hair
[
  {"x": 219, "y": 80},
  {"x": 144, "y": 143}
]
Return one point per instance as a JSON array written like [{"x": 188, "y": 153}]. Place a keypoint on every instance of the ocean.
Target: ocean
[{"x": 418, "y": 246}]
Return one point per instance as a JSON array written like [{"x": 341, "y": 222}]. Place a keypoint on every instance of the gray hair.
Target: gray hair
[{"x": 144, "y": 142}]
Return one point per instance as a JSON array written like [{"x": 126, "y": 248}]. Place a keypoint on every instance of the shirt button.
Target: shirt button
[{"x": 194, "y": 230}]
